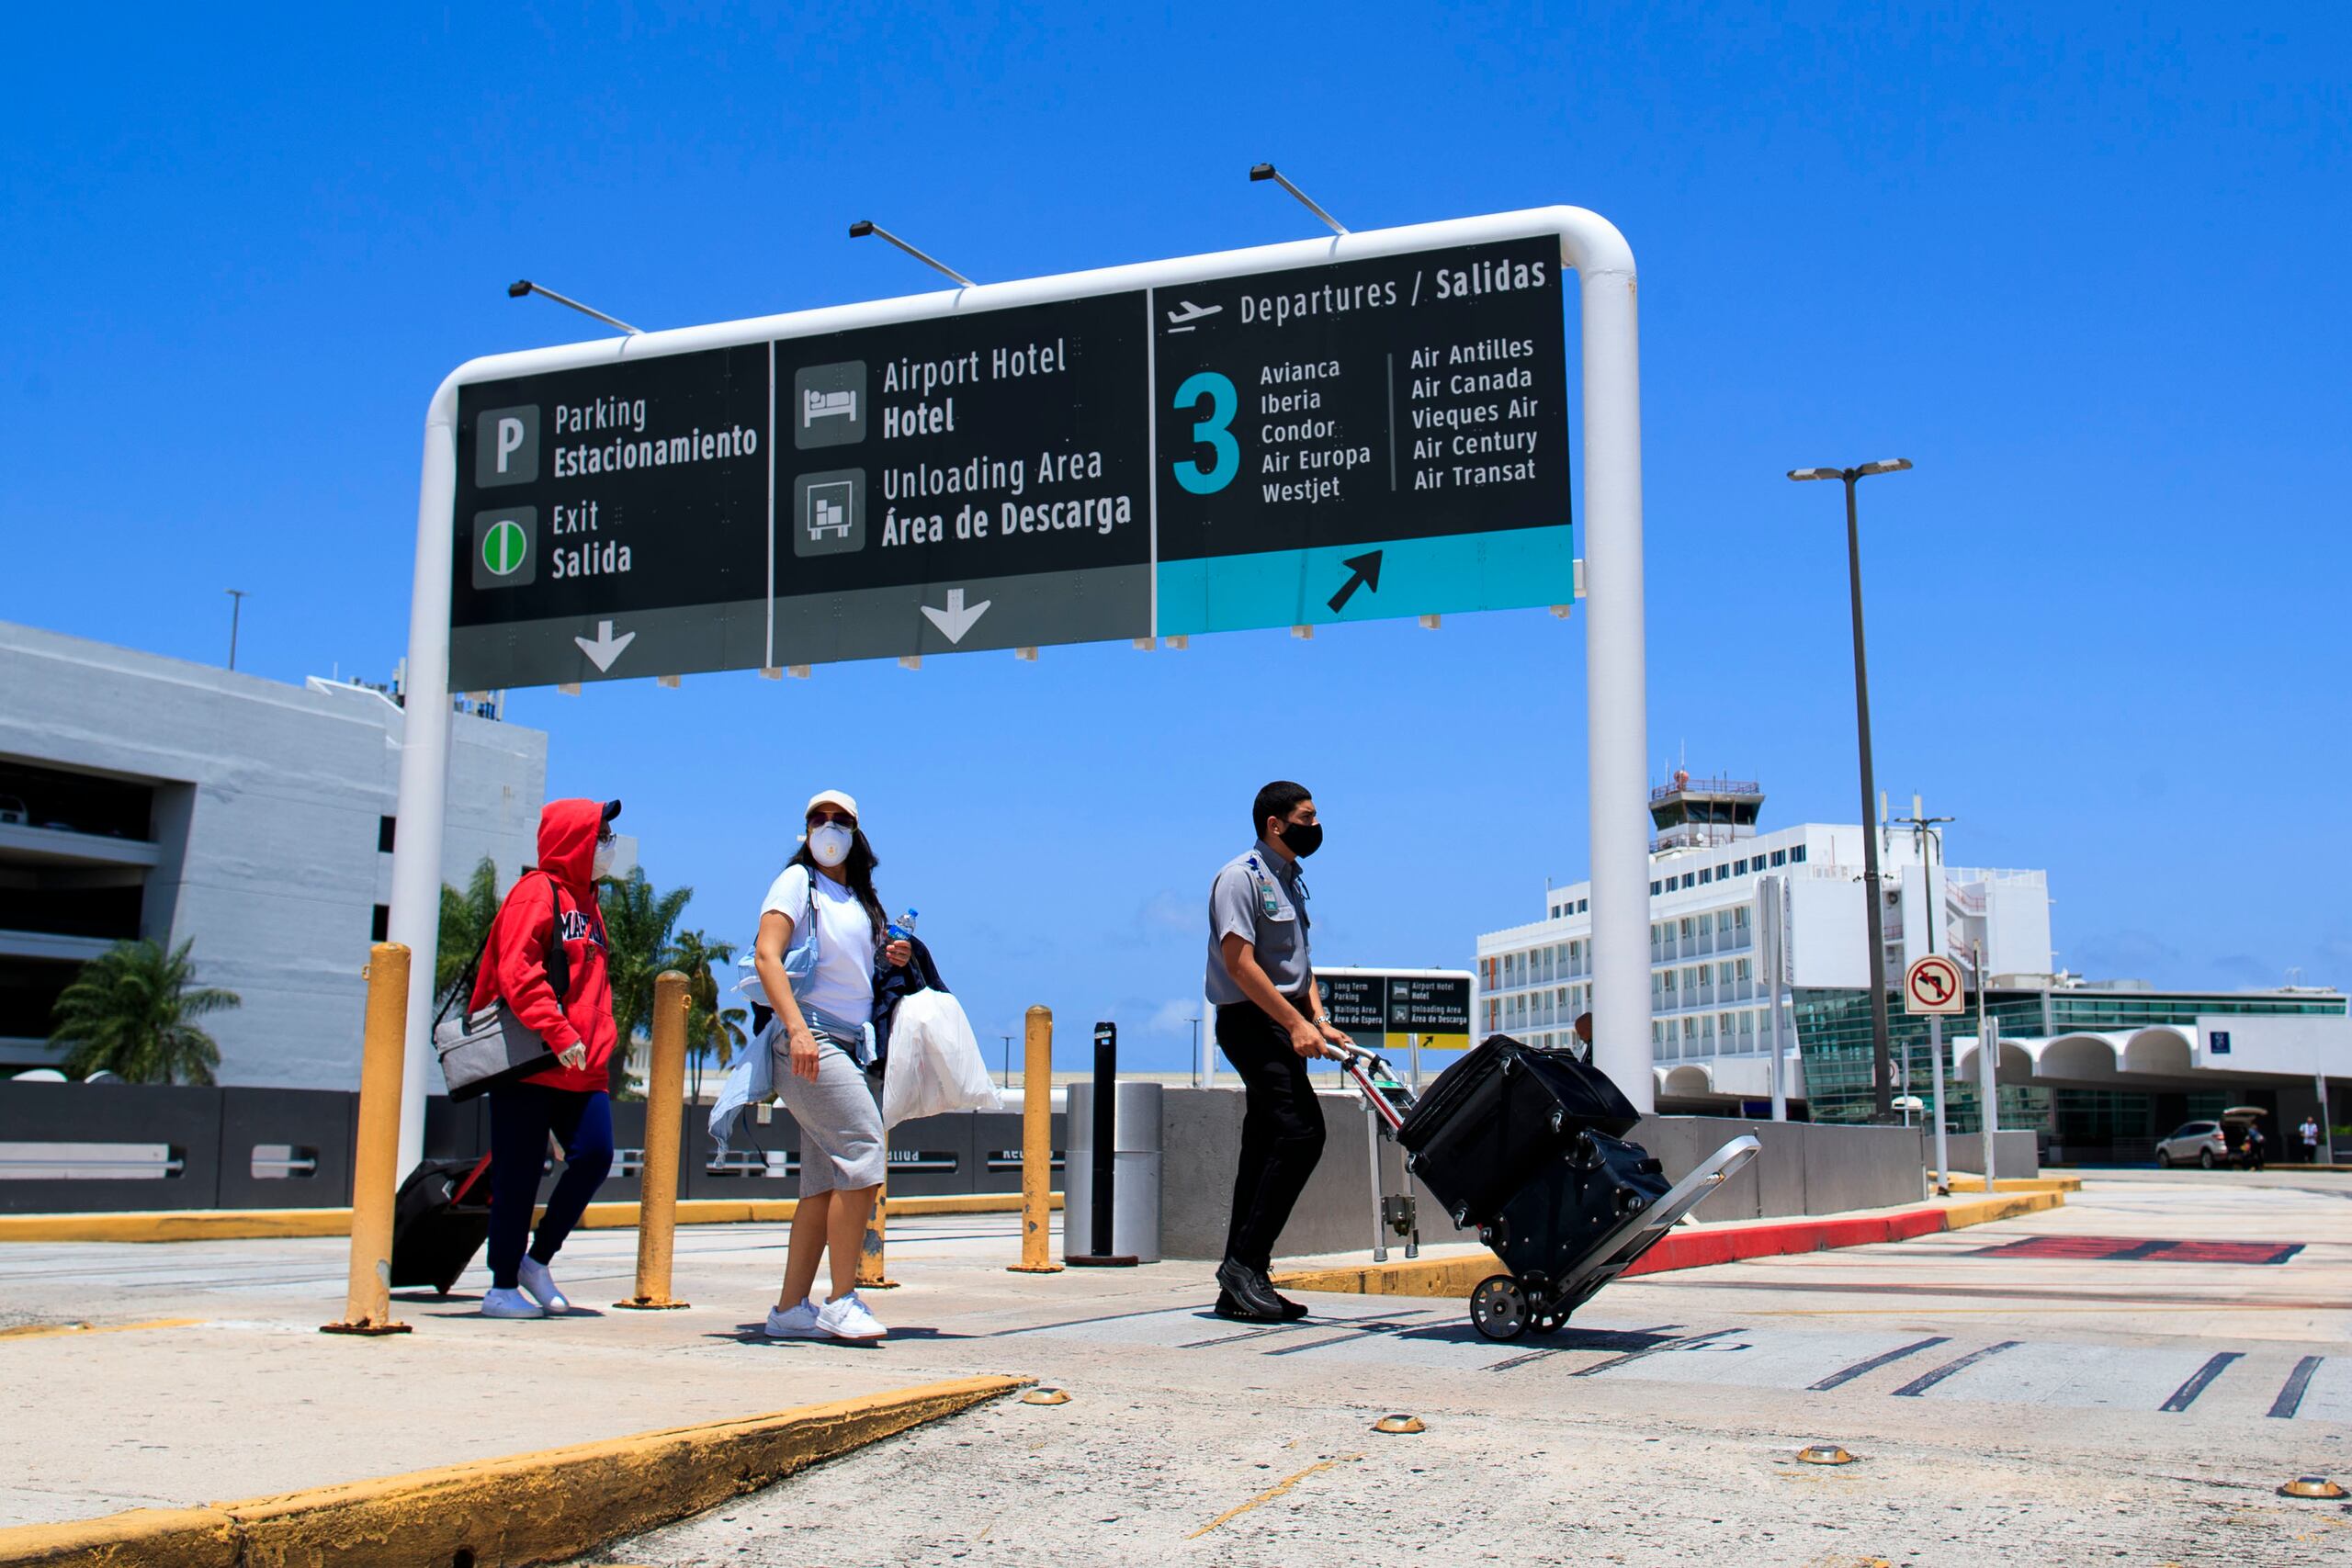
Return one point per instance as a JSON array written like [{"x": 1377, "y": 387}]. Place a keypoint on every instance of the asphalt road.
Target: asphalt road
[{"x": 2124, "y": 1380}]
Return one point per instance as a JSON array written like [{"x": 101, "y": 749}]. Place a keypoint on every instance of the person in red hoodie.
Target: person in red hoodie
[{"x": 570, "y": 1100}]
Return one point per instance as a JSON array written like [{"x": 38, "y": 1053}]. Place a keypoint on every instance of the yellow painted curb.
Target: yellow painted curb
[
  {"x": 524, "y": 1508},
  {"x": 2001, "y": 1206},
  {"x": 252, "y": 1224},
  {"x": 1963, "y": 1182}
]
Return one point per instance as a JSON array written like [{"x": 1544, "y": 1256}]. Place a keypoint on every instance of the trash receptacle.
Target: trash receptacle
[{"x": 1135, "y": 1163}]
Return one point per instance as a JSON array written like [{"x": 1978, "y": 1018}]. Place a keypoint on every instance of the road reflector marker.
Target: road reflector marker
[
  {"x": 2315, "y": 1486},
  {"x": 1399, "y": 1422},
  {"x": 1823, "y": 1453},
  {"x": 1046, "y": 1396}
]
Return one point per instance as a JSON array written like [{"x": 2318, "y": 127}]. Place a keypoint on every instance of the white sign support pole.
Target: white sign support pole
[
  {"x": 424, "y": 761},
  {"x": 1988, "y": 1058},
  {"x": 1616, "y": 669},
  {"x": 1943, "y": 1147}
]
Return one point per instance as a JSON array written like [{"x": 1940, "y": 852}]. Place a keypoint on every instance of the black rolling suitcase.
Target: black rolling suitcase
[
  {"x": 439, "y": 1222},
  {"x": 1499, "y": 1116}
]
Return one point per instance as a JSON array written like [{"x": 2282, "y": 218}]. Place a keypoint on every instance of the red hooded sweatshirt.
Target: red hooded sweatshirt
[{"x": 514, "y": 963}]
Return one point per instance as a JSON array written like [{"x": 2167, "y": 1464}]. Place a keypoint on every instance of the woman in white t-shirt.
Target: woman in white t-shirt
[{"x": 826, "y": 896}]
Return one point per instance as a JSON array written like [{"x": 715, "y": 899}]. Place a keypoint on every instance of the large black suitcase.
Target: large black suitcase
[
  {"x": 1598, "y": 1187},
  {"x": 439, "y": 1221},
  {"x": 1494, "y": 1120}
]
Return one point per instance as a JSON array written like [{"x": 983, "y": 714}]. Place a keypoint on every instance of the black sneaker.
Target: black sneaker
[
  {"x": 1291, "y": 1311},
  {"x": 1247, "y": 1294}
]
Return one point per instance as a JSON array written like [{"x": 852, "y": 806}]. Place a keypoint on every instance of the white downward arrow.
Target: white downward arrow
[
  {"x": 955, "y": 620},
  {"x": 606, "y": 647}
]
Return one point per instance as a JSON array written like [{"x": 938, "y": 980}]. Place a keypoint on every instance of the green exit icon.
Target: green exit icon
[{"x": 504, "y": 547}]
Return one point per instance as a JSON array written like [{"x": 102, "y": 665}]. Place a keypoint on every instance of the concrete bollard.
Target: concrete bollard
[
  {"x": 1037, "y": 1146},
  {"x": 666, "y": 1093},
  {"x": 375, "y": 1181}
]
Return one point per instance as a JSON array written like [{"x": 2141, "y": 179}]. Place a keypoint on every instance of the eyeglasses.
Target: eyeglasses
[
  {"x": 604, "y": 835},
  {"x": 825, "y": 814}
]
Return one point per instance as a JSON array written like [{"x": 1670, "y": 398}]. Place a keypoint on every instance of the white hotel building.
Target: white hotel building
[{"x": 2097, "y": 1066}]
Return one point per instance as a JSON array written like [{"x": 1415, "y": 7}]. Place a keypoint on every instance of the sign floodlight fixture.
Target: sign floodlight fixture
[
  {"x": 1268, "y": 172},
  {"x": 524, "y": 285},
  {"x": 864, "y": 226},
  {"x": 1884, "y": 466}
]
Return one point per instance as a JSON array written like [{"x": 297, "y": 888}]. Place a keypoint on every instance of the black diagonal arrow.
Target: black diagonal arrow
[{"x": 1364, "y": 573}]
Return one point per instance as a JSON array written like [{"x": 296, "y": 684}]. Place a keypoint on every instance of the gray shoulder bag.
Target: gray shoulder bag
[{"x": 480, "y": 1050}]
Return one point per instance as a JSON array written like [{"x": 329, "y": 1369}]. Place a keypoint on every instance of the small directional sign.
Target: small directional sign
[
  {"x": 1932, "y": 986},
  {"x": 1389, "y": 1010},
  {"x": 1337, "y": 441}
]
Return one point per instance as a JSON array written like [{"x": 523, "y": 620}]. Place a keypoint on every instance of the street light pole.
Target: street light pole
[{"x": 1881, "y": 1055}]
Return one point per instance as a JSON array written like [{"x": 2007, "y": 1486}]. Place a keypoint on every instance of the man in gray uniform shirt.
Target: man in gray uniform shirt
[{"x": 1269, "y": 1023}]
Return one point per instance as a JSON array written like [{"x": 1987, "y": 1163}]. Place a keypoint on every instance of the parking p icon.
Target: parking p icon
[{"x": 506, "y": 446}]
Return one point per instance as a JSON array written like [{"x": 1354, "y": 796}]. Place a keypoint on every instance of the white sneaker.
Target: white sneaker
[
  {"x": 497, "y": 1302},
  {"x": 848, "y": 1319},
  {"x": 540, "y": 1286},
  {"x": 794, "y": 1323}
]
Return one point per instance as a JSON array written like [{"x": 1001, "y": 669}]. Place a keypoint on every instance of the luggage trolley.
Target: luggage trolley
[{"x": 1527, "y": 1145}]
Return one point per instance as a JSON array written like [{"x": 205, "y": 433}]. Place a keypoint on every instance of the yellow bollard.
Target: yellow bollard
[
  {"x": 373, "y": 1180},
  {"x": 871, "y": 1273},
  {"x": 1037, "y": 1146},
  {"x": 665, "y": 1092}
]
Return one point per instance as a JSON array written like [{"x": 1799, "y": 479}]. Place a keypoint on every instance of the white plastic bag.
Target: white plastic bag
[{"x": 935, "y": 1063}]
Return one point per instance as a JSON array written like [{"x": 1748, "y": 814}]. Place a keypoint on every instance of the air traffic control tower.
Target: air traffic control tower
[{"x": 1696, "y": 814}]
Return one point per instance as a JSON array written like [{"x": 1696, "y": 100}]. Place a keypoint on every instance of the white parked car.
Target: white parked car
[
  {"x": 12, "y": 812},
  {"x": 2196, "y": 1142}
]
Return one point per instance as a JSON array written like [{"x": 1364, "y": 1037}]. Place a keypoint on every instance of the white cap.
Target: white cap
[{"x": 830, "y": 797}]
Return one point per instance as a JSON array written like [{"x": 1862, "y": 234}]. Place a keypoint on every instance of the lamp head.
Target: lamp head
[
  {"x": 1261, "y": 171},
  {"x": 518, "y": 288},
  {"x": 1816, "y": 473},
  {"x": 1885, "y": 465},
  {"x": 862, "y": 227}
]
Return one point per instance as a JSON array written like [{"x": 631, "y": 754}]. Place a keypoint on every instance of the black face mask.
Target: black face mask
[{"x": 1301, "y": 838}]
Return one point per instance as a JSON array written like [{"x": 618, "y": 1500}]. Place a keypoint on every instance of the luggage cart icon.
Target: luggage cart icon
[{"x": 832, "y": 508}]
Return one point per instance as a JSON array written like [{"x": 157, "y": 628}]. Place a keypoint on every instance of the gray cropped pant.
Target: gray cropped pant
[{"x": 841, "y": 1126}]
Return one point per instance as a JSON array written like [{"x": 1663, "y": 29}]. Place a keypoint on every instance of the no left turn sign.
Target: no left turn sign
[{"x": 1932, "y": 986}]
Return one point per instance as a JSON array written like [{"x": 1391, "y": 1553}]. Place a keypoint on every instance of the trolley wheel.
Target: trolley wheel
[
  {"x": 1548, "y": 1322},
  {"x": 1498, "y": 1308}
]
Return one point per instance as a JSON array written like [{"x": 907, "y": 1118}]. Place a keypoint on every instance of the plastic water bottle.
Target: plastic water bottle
[{"x": 903, "y": 927}]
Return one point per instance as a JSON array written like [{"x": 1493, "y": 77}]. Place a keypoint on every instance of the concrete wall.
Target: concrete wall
[
  {"x": 1805, "y": 1168},
  {"x": 2016, "y": 1153},
  {"x": 268, "y": 806}
]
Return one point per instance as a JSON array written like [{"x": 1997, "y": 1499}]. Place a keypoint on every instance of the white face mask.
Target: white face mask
[
  {"x": 604, "y": 863},
  {"x": 830, "y": 844}
]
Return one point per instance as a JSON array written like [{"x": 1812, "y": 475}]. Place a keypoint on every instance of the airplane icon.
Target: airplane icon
[{"x": 1182, "y": 320}]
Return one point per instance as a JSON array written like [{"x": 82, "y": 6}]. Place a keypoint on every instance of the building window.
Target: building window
[
  {"x": 1739, "y": 868},
  {"x": 384, "y": 829},
  {"x": 1706, "y": 875},
  {"x": 1584, "y": 904},
  {"x": 1653, "y": 889},
  {"x": 1796, "y": 856},
  {"x": 383, "y": 922},
  {"x": 1779, "y": 857},
  {"x": 1687, "y": 877}
]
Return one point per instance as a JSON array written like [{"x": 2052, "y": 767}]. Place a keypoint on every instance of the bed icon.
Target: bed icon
[{"x": 829, "y": 407}]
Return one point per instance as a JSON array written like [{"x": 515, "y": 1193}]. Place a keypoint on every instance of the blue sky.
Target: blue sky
[{"x": 2082, "y": 266}]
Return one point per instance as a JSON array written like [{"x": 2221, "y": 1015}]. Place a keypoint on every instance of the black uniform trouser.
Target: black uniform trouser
[{"x": 1282, "y": 1131}]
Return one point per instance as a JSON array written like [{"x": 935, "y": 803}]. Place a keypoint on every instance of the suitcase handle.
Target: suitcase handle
[{"x": 471, "y": 1176}]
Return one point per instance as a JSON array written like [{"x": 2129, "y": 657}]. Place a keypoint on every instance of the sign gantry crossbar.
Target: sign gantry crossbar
[{"x": 1359, "y": 427}]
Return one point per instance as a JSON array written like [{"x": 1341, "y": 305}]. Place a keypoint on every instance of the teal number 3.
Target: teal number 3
[{"x": 1211, "y": 433}]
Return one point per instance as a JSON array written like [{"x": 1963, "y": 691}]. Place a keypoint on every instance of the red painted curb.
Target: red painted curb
[{"x": 1697, "y": 1248}]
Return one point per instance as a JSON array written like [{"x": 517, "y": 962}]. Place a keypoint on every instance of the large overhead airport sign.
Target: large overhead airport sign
[{"x": 1369, "y": 438}]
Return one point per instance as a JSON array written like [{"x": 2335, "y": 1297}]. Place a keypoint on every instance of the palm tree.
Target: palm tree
[
  {"x": 131, "y": 1011},
  {"x": 710, "y": 1029},
  {"x": 465, "y": 925},
  {"x": 639, "y": 923}
]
